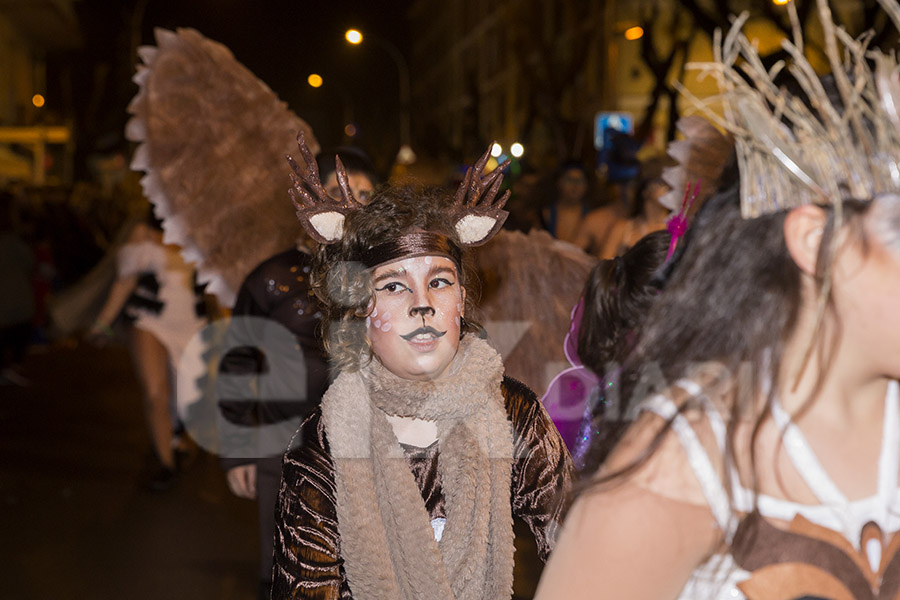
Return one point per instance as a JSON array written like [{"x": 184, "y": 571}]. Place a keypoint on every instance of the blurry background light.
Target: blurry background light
[
  {"x": 37, "y": 100},
  {"x": 353, "y": 36},
  {"x": 496, "y": 150},
  {"x": 406, "y": 156},
  {"x": 314, "y": 80},
  {"x": 634, "y": 33},
  {"x": 350, "y": 130},
  {"x": 517, "y": 150}
]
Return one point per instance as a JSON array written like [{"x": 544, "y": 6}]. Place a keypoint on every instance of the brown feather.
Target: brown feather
[
  {"x": 533, "y": 280},
  {"x": 215, "y": 137}
]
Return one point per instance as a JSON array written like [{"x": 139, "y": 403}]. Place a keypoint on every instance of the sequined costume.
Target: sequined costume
[
  {"x": 308, "y": 558},
  {"x": 277, "y": 290}
]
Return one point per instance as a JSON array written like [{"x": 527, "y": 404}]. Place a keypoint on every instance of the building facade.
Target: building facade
[
  {"x": 538, "y": 72},
  {"x": 29, "y": 31}
]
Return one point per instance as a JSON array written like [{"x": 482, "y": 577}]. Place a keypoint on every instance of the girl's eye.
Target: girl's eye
[
  {"x": 392, "y": 288},
  {"x": 438, "y": 283}
]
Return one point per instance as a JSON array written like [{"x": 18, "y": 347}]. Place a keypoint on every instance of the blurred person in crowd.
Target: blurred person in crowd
[
  {"x": 17, "y": 305},
  {"x": 563, "y": 214},
  {"x": 611, "y": 230},
  {"x": 280, "y": 290},
  {"x": 648, "y": 214},
  {"x": 617, "y": 295},
  {"x": 524, "y": 203},
  {"x": 617, "y": 298},
  {"x": 155, "y": 290},
  {"x": 403, "y": 482},
  {"x": 43, "y": 281}
]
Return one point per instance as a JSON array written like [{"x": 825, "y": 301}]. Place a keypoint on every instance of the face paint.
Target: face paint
[{"x": 415, "y": 331}]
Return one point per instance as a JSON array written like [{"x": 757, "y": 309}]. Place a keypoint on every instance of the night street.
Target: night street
[{"x": 75, "y": 522}]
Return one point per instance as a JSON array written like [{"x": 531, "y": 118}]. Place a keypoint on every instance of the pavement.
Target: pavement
[{"x": 74, "y": 519}]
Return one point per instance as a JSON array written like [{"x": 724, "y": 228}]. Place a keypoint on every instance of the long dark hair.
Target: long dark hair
[
  {"x": 617, "y": 297},
  {"x": 732, "y": 300}
]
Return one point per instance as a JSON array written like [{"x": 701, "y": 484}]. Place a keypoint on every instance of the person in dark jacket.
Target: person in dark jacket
[
  {"x": 271, "y": 385},
  {"x": 405, "y": 481}
]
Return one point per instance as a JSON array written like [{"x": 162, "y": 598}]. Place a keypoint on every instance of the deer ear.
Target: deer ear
[
  {"x": 476, "y": 229},
  {"x": 477, "y": 211},
  {"x": 322, "y": 221},
  {"x": 324, "y": 227}
]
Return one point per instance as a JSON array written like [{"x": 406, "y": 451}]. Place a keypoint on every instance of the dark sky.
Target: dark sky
[{"x": 282, "y": 42}]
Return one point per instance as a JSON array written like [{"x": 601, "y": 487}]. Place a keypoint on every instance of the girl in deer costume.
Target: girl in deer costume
[{"x": 405, "y": 482}]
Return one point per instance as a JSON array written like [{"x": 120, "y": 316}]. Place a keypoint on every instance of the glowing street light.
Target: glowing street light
[
  {"x": 517, "y": 150},
  {"x": 314, "y": 80},
  {"x": 353, "y": 36},
  {"x": 634, "y": 33}
]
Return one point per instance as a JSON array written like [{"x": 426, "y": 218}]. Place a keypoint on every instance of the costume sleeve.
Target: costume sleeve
[
  {"x": 542, "y": 471},
  {"x": 307, "y": 547}
]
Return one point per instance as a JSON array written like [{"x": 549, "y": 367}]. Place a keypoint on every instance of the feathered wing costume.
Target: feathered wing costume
[
  {"x": 529, "y": 284},
  {"x": 212, "y": 137},
  {"x": 212, "y": 143}
]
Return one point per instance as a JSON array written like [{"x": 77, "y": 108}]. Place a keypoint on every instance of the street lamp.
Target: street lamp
[
  {"x": 353, "y": 36},
  {"x": 406, "y": 155},
  {"x": 314, "y": 80},
  {"x": 634, "y": 33}
]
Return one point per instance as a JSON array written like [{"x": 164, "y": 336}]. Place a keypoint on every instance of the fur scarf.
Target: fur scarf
[{"x": 386, "y": 539}]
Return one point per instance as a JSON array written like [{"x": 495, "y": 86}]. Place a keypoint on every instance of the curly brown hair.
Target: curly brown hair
[{"x": 344, "y": 284}]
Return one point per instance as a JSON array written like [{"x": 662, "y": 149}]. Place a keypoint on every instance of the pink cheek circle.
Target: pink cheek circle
[{"x": 383, "y": 323}]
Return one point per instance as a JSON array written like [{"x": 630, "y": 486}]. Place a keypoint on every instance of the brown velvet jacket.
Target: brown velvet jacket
[{"x": 308, "y": 561}]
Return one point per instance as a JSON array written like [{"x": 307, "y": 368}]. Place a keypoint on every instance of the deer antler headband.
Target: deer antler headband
[{"x": 476, "y": 211}]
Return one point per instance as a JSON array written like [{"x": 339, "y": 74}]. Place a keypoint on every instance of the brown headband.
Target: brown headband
[{"x": 419, "y": 243}]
